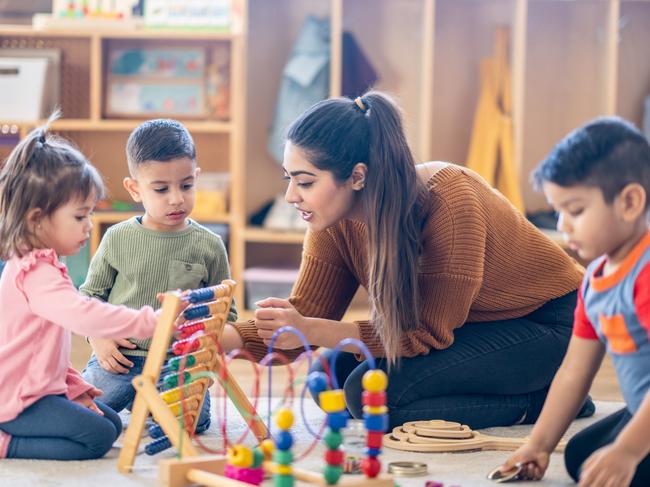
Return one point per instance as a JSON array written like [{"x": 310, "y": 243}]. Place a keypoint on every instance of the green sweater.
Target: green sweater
[{"x": 133, "y": 264}]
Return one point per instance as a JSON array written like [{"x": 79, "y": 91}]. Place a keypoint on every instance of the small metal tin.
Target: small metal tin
[
  {"x": 500, "y": 477},
  {"x": 408, "y": 469}
]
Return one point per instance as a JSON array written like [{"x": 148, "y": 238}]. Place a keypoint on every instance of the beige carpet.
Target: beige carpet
[{"x": 460, "y": 469}]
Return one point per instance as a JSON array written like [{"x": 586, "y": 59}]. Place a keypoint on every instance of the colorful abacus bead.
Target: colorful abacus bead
[
  {"x": 375, "y": 417},
  {"x": 282, "y": 456}
]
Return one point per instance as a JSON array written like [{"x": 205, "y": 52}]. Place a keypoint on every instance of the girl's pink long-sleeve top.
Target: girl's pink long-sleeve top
[{"x": 39, "y": 308}]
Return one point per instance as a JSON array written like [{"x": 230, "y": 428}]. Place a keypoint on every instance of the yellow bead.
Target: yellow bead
[
  {"x": 374, "y": 381},
  {"x": 332, "y": 401},
  {"x": 284, "y": 419},
  {"x": 282, "y": 469},
  {"x": 375, "y": 410},
  {"x": 267, "y": 446},
  {"x": 240, "y": 456}
]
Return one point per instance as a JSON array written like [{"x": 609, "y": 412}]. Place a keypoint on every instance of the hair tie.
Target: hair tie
[
  {"x": 41, "y": 139},
  {"x": 360, "y": 104}
]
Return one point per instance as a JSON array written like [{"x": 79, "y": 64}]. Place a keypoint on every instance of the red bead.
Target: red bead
[
  {"x": 373, "y": 398},
  {"x": 371, "y": 467},
  {"x": 189, "y": 329},
  {"x": 334, "y": 457},
  {"x": 374, "y": 439},
  {"x": 183, "y": 347},
  {"x": 433, "y": 483}
]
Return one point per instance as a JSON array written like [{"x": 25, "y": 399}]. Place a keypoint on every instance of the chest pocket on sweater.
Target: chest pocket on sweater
[{"x": 183, "y": 275}]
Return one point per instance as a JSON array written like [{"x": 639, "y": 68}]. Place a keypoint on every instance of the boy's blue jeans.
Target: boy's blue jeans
[
  {"x": 119, "y": 392},
  {"x": 55, "y": 428}
]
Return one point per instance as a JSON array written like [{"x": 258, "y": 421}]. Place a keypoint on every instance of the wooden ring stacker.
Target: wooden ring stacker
[{"x": 439, "y": 436}]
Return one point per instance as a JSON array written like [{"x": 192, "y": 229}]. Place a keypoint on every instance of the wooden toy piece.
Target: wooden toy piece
[
  {"x": 190, "y": 400},
  {"x": 209, "y": 471},
  {"x": 442, "y": 436}
]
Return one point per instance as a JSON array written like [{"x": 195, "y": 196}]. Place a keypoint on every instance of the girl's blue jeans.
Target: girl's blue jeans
[{"x": 55, "y": 428}]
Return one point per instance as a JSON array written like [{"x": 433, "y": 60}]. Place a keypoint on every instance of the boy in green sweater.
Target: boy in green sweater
[{"x": 159, "y": 251}]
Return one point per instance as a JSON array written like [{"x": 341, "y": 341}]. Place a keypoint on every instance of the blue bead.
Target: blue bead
[
  {"x": 196, "y": 312},
  {"x": 376, "y": 422},
  {"x": 283, "y": 440},
  {"x": 317, "y": 382},
  {"x": 337, "y": 421},
  {"x": 157, "y": 446},
  {"x": 373, "y": 452},
  {"x": 201, "y": 295},
  {"x": 155, "y": 431}
]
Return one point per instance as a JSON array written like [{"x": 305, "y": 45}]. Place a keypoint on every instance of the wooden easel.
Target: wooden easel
[
  {"x": 148, "y": 400},
  {"x": 491, "y": 149}
]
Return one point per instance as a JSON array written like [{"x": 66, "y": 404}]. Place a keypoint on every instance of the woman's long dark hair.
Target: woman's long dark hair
[{"x": 338, "y": 133}]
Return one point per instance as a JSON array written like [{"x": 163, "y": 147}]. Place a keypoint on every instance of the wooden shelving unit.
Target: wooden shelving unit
[
  {"x": 84, "y": 67},
  {"x": 570, "y": 61}
]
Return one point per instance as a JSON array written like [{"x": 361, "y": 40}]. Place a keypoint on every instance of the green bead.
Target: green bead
[
  {"x": 258, "y": 458},
  {"x": 283, "y": 480},
  {"x": 333, "y": 439},
  {"x": 283, "y": 457},
  {"x": 332, "y": 474}
]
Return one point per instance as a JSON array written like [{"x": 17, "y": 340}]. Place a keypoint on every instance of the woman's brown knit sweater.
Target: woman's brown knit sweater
[{"x": 481, "y": 261}]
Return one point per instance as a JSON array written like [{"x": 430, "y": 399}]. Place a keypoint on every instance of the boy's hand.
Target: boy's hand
[
  {"x": 108, "y": 355},
  {"x": 86, "y": 400},
  {"x": 609, "y": 465},
  {"x": 534, "y": 460}
]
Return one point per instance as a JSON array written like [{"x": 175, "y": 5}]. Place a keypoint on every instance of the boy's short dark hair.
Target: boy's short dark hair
[
  {"x": 608, "y": 153},
  {"x": 160, "y": 140}
]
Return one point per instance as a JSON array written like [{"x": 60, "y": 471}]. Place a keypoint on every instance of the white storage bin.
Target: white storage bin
[
  {"x": 23, "y": 88},
  {"x": 266, "y": 283}
]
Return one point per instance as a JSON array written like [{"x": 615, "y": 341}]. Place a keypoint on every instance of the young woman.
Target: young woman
[{"x": 470, "y": 305}]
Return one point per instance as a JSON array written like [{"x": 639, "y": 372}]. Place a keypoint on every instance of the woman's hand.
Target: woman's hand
[
  {"x": 534, "y": 460},
  {"x": 610, "y": 465},
  {"x": 274, "y": 313},
  {"x": 86, "y": 399}
]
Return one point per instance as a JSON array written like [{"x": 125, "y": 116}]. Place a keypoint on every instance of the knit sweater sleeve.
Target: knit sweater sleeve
[
  {"x": 324, "y": 289},
  {"x": 450, "y": 275}
]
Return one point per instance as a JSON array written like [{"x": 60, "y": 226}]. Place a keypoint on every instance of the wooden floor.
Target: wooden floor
[{"x": 605, "y": 387}]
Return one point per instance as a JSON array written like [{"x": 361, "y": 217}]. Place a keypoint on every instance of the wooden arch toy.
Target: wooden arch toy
[{"x": 438, "y": 436}]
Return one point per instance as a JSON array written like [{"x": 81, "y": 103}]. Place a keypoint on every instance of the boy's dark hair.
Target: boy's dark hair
[
  {"x": 158, "y": 140},
  {"x": 608, "y": 153}
]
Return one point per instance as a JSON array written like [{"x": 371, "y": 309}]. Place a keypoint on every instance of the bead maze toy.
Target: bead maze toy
[
  {"x": 438, "y": 436},
  {"x": 242, "y": 466},
  {"x": 201, "y": 324}
]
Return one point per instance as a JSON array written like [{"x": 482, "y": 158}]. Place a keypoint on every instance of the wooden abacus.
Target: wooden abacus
[{"x": 186, "y": 397}]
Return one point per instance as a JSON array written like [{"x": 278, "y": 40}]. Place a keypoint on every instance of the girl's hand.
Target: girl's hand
[
  {"x": 274, "y": 313},
  {"x": 86, "y": 400},
  {"x": 610, "y": 465},
  {"x": 108, "y": 355},
  {"x": 534, "y": 460}
]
